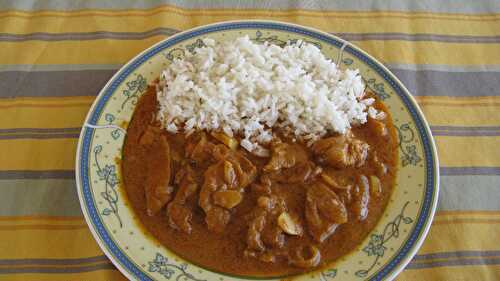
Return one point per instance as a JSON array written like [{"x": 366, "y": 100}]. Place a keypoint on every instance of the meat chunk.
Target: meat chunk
[
  {"x": 255, "y": 228},
  {"x": 285, "y": 156},
  {"x": 264, "y": 233},
  {"x": 361, "y": 198},
  {"x": 222, "y": 181},
  {"x": 157, "y": 189},
  {"x": 324, "y": 211},
  {"x": 289, "y": 163},
  {"x": 306, "y": 256},
  {"x": 216, "y": 217},
  {"x": 179, "y": 214},
  {"x": 201, "y": 150},
  {"x": 377, "y": 127},
  {"x": 341, "y": 151}
]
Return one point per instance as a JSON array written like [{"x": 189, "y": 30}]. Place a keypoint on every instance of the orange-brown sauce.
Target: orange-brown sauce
[{"x": 223, "y": 252}]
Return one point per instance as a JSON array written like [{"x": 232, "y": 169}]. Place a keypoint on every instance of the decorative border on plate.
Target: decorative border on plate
[{"x": 87, "y": 133}]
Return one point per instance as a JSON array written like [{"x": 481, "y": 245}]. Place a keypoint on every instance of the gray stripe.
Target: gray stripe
[
  {"x": 40, "y": 130},
  {"x": 419, "y": 37},
  {"x": 57, "y": 67},
  {"x": 48, "y": 133},
  {"x": 458, "y": 84},
  {"x": 492, "y": 261},
  {"x": 46, "y": 174},
  {"x": 79, "y": 36},
  {"x": 412, "y": 67},
  {"x": 53, "y": 83},
  {"x": 438, "y": 6},
  {"x": 487, "y": 171},
  {"x": 39, "y": 133},
  {"x": 444, "y": 67},
  {"x": 471, "y": 192},
  {"x": 457, "y": 254},
  {"x": 90, "y": 82},
  {"x": 39, "y": 136},
  {"x": 104, "y": 266},
  {"x": 478, "y": 193},
  {"x": 465, "y": 131},
  {"x": 47, "y": 197},
  {"x": 53, "y": 261},
  {"x": 465, "y": 128}
]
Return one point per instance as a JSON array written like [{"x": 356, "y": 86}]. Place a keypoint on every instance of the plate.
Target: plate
[{"x": 382, "y": 255}]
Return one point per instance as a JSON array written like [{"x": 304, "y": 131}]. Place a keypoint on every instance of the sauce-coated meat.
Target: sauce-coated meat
[
  {"x": 157, "y": 185},
  {"x": 179, "y": 213},
  {"x": 324, "y": 211},
  {"x": 341, "y": 151},
  {"x": 229, "y": 176}
]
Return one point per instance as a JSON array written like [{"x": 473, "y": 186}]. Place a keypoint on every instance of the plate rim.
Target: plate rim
[{"x": 422, "y": 233}]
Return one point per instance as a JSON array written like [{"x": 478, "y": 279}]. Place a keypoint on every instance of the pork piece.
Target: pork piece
[
  {"x": 341, "y": 184},
  {"x": 222, "y": 182},
  {"x": 179, "y": 213},
  {"x": 361, "y": 198},
  {"x": 341, "y": 151},
  {"x": 284, "y": 156},
  {"x": 157, "y": 189},
  {"x": 377, "y": 127},
  {"x": 269, "y": 224},
  {"x": 324, "y": 211},
  {"x": 264, "y": 232},
  {"x": 289, "y": 163},
  {"x": 201, "y": 150}
]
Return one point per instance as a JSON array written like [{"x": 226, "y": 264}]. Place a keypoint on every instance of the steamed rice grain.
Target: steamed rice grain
[{"x": 240, "y": 87}]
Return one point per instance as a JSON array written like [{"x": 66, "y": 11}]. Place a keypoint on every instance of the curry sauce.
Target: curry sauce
[{"x": 225, "y": 209}]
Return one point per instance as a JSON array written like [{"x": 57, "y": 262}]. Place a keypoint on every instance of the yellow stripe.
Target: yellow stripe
[
  {"x": 461, "y": 111},
  {"x": 478, "y": 272},
  {"x": 55, "y": 244},
  {"x": 372, "y": 22},
  {"x": 456, "y": 234},
  {"x": 474, "y": 151},
  {"x": 100, "y": 275},
  {"x": 44, "y": 112},
  {"x": 119, "y": 51},
  {"x": 468, "y": 217},
  {"x": 41, "y": 222},
  {"x": 40, "y": 154}
]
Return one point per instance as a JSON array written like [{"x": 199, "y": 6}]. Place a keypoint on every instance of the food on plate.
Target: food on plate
[{"x": 256, "y": 159}]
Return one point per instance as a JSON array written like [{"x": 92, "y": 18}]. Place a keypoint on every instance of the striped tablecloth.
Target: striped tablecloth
[{"x": 55, "y": 57}]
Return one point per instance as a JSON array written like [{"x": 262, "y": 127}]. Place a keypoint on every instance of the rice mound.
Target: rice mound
[{"x": 240, "y": 87}]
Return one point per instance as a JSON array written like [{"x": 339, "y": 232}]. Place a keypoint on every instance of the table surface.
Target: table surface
[{"x": 55, "y": 57}]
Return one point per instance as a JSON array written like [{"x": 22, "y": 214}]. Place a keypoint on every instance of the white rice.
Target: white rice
[{"x": 240, "y": 87}]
